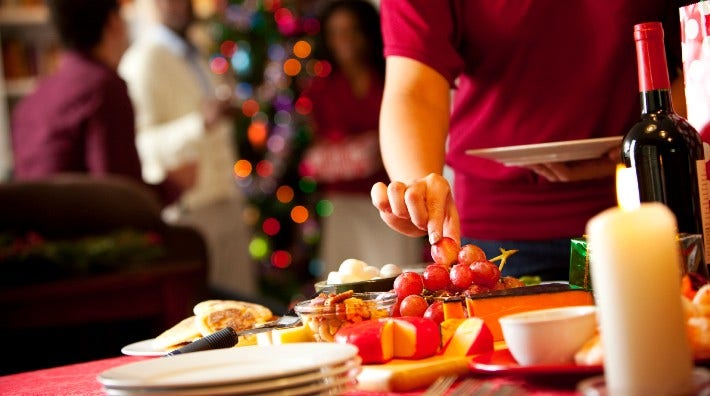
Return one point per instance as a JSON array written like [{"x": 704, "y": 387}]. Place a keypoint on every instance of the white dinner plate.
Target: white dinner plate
[
  {"x": 228, "y": 366},
  {"x": 530, "y": 154},
  {"x": 142, "y": 348},
  {"x": 326, "y": 378}
]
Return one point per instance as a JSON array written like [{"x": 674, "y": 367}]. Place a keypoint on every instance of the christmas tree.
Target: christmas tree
[{"x": 268, "y": 48}]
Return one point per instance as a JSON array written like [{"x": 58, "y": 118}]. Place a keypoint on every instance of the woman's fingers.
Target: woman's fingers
[{"x": 423, "y": 207}]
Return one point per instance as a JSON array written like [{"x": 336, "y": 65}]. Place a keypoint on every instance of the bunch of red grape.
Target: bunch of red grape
[{"x": 465, "y": 271}]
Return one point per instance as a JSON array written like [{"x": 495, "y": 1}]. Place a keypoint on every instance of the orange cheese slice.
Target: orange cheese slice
[{"x": 491, "y": 306}]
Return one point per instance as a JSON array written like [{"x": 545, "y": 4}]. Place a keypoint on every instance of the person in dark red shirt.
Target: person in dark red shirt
[
  {"x": 521, "y": 73},
  {"x": 345, "y": 157},
  {"x": 80, "y": 119}
]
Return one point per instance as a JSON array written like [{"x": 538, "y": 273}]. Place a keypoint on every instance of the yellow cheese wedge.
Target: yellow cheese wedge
[{"x": 291, "y": 335}]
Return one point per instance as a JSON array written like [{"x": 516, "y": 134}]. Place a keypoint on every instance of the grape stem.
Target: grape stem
[{"x": 503, "y": 257}]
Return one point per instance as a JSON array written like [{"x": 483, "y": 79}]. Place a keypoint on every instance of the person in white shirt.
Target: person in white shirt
[{"x": 179, "y": 120}]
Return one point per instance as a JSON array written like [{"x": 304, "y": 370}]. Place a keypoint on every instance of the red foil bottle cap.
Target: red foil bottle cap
[{"x": 651, "y": 57}]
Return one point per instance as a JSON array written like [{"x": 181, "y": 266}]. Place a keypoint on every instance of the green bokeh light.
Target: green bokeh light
[
  {"x": 324, "y": 208},
  {"x": 258, "y": 248}
]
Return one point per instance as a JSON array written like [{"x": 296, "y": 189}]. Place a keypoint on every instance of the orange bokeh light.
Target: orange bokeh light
[
  {"x": 292, "y": 67},
  {"x": 242, "y": 168},
  {"x": 299, "y": 214},
  {"x": 302, "y": 49},
  {"x": 257, "y": 134},
  {"x": 284, "y": 194}
]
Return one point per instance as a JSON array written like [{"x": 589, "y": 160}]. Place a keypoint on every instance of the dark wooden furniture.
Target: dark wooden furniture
[{"x": 92, "y": 315}]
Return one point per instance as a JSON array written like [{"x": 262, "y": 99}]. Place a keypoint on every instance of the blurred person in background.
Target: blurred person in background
[
  {"x": 345, "y": 157},
  {"x": 80, "y": 118},
  {"x": 179, "y": 120}
]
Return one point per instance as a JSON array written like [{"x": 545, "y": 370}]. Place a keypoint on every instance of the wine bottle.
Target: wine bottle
[{"x": 665, "y": 151}]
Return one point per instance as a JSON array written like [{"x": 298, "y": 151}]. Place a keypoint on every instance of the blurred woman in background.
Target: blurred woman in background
[{"x": 345, "y": 157}]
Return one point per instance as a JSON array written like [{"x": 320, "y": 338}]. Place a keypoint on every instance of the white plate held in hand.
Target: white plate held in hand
[{"x": 530, "y": 154}]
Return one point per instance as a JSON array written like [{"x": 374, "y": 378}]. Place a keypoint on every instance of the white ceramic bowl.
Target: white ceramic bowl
[{"x": 548, "y": 336}]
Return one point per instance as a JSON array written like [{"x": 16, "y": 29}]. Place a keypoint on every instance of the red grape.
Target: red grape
[
  {"x": 511, "y": 282},
  {"x": 469, "y": 254},
  {"x": 408, "y": 283},
  {"x": 445, "y": 251},
  {"x": 461, "y": 276},
  {"x": 435, "y": 312},
  {"x": 436, "y": 277},
  {"x": 413, "y": 305},
  {"x": 475, "y": 289},
  {"x": 485, "y": 273}
]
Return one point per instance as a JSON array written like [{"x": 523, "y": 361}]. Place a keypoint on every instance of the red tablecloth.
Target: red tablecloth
[{"x": 80, "y": 379}]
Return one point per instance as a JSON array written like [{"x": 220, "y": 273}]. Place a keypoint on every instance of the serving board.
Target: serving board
[{"x": 401, "y": 375}]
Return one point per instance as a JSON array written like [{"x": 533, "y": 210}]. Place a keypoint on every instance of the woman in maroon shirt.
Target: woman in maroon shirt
[
  {"x": 521, "y": 73},
  {"x": 344, "y": 157}
]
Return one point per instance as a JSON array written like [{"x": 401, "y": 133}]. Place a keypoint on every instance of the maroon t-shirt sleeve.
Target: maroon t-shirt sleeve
[{"x": 423, "y": 30}]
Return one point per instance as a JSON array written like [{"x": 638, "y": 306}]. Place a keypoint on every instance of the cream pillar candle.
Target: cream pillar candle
[{"x": 635, "y": 272}]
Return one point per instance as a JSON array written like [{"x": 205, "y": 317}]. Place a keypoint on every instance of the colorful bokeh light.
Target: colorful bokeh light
[
  {"x": 271, "y": 226},
  {"x": 302, "y": 49},
  {"x": 304, "y": 106},
  {"x": 250, "y": 107},
  {"x": 324, "y": 208},
  {"x": 257, "y": 134},
  {"x": 322, "y": 68},
  {"x": 299, "y": 214},
  {"x": 258, "y": 248},
  {"x": 250, "y": 215},
  {"x": 284, "y": 194},
  {"x": 307, "y": 184},
  {"x": 264, "y": 168},
  {"x": 242, "y": 168},
  {"x": 228, "y": 48},
  {"x": 281, "y": 259},
  {"x": 219, "y": 65},
  {"x": 292, "y": 67}
]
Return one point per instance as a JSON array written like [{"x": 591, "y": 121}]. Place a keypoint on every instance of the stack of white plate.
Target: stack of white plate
[{"x": 288, "y": 369}]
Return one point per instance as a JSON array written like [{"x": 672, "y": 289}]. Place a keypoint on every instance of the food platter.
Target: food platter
[{"x": 530, "y": 154}]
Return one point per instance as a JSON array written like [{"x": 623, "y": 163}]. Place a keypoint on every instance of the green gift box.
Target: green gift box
[{"x": 691, "y": 248}]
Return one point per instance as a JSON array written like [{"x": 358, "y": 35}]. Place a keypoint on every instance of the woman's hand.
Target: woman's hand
[
  {"x": 604, "y": 166},
  {"x": 425, "y": 206}
]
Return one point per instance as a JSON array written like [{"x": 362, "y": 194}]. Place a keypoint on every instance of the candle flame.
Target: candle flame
[{"x": 627, "y": 188}]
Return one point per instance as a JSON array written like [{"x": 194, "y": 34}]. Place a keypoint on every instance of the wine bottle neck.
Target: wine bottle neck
[
  {"x": 651, "y": 57},
  {"x": 655, "y": 101}
]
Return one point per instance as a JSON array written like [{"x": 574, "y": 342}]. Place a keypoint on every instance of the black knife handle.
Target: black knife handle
[{"x": 225, "y": 338}]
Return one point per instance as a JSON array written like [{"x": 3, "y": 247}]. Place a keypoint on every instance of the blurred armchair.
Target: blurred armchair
[{"x": 74, "y": 206}]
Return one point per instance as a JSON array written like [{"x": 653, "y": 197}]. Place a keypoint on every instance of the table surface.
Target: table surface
[{"x": 80, "y": 379}]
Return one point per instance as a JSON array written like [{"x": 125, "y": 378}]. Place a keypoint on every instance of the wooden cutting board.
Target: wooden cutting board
[{"x": 400, "y": 375}]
